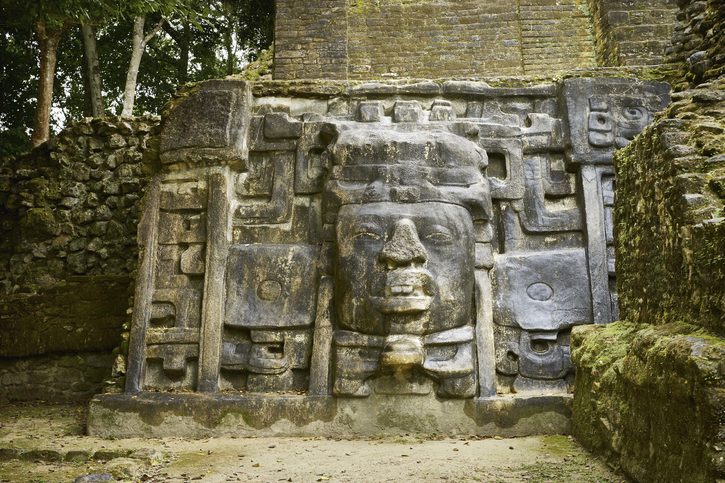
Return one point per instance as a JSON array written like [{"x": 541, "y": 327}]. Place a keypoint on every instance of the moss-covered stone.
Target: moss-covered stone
[
  {"x": 671, "y": 217},
  {"x": 261, "y": 68},
  {"x": 68, "y": 216},
  {"x": 652, "y": 399}
]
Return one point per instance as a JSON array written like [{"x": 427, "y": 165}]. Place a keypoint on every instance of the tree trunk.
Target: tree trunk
[
  {"x": 87, "y": 109},
  {"x": 95, "y": 85},
  {"x": 129, "y": 91},
  {"x": 183, "y": 41},
  {"x": 138, "y": 45},
  {"x": 229, "y": 47},
  {"x": 48, "y": 44}
]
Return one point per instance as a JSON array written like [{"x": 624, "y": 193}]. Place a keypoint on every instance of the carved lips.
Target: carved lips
[{"x": 407, "y": 290}]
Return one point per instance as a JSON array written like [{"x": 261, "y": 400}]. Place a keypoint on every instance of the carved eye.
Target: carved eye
[
  {"x": 439, "y": 235},
  {"x": 368, "y": 232},
  {"x": 634, "y": 113},
  {"x": 366, "y": 235},
  {"x": 540, "y": 346}
]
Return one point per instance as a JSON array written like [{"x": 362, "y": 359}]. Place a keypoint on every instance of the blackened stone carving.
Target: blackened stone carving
[
  {"x": 537, "y": 216},
  {"x": 379, "y": 245},
  {"x": 405, "y": 258},
  {"x": 268, "y": 186}
]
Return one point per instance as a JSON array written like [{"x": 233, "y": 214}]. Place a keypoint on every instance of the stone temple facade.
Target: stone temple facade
[
  {"x": 414, "y": 228},
  {"x": 338, "y": 256}
]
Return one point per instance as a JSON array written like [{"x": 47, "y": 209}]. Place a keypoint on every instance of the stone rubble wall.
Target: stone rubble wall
[
  {"x": 650, "y": 390},
  {"x": 68, "y": 249},
  {"x": 632, "y": 32},
  {"x": 698, "y": 40},
  {"x": 365, "y": 39},
  {"x": 57, "y": 377}
]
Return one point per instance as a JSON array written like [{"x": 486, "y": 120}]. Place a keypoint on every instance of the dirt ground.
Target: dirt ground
[{"x": 45, "y": 443}]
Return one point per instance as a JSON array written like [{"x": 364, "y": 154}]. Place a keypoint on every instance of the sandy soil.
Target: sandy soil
[{"x": 46, "y": 443}]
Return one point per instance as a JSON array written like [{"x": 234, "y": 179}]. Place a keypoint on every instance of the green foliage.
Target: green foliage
[
  {"x": 219, "y": 37},
  {"x": 18, "y": 66}
]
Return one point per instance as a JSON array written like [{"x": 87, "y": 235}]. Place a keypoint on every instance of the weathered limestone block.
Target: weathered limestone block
[
  {"x": 606, "y": 114},
  {"x": 650, "y": 398},
  {"x": 209, "y": 121}
]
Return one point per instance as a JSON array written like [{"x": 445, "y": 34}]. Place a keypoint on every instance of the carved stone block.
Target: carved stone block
[
  {"x": 547, "y": 291},
  {"x": 271, "y": 286},
  {"x": 266, "y": 190},
  {"x": 605, "y": 114},
  {"x": 365, "y": 240},
  {"x": 370, "y": 111},
  {"x": 407, "y": 111},
  {"x": 211, "y": 121}
]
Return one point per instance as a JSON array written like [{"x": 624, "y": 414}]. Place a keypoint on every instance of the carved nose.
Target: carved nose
[{"x": 404, "y": 246}]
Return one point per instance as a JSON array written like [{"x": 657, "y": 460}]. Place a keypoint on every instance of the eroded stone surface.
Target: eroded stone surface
[{"x": 373, "y": 252}]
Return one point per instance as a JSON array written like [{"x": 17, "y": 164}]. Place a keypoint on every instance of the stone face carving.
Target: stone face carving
[
  {"x": 405, "y": 259},
  {"x": 416, "y": 240}
]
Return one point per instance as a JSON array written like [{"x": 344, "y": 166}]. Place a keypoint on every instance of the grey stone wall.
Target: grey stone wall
[
  {"x": 68, "y": 250},
  {"x": 364, "y": 39},
  {"x": 632, "y": 32},
  {"x": 58, "y": 378}
]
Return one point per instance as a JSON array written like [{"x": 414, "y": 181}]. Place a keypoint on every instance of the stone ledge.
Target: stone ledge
[{"x": 199, "y": 416}]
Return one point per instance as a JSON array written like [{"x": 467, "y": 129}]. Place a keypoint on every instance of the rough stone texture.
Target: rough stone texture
[
  {"x": 155, "y": 415},
  {"x": 365, "y": 39},
  {"x": 699, "y": 39},
  {"x": 68, "y": 246},
  {"x": 56, "y": 378},
  {"x": 76, "y": 314},
  {"x": 652, "y": 399},
  {"x": 632, "y": 32},
  {"x": 650, "y": 391},
  {"x": 320, "y": 248},
  {"x": 671, "y": 215},
  {"x": 71, "y": 208}
]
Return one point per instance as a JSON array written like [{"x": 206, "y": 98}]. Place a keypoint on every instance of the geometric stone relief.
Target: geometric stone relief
[
  {"x": 174, "y": 319},
  {"x": 420, "y": 240},
  {"x": 605, "y": 114}
]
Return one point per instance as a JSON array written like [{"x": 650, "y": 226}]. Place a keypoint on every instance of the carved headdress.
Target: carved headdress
[{"x": 380, "y": 164}]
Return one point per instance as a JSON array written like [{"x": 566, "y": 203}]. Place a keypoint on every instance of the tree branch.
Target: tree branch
[
  {"x": 173, "y": 33},
  {"x": 153, "y": 32}
]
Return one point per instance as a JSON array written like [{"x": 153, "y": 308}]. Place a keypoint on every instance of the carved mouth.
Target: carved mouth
[
  {"x": 402, "y": 305},
  {"x": 400, "y": 290},
  {"x": 406, "y": 291}
]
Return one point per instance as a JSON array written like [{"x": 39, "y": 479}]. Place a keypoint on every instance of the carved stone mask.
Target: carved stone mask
[
  {"x": 616, "y": 125},
  {"x": 404, "y": 268}
]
